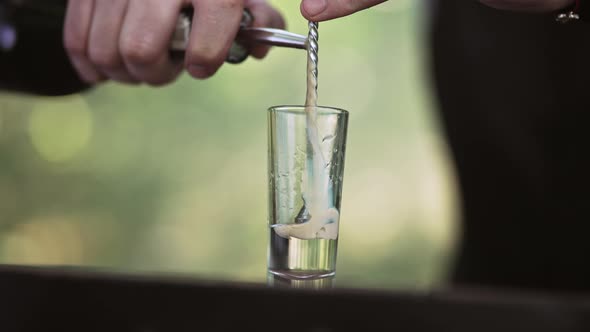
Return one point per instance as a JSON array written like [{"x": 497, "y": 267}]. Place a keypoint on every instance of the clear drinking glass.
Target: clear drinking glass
[{"x": 305, "y": 172}]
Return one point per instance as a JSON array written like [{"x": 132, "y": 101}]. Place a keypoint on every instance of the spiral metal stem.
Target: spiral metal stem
[{"x": 312, "y": 65}]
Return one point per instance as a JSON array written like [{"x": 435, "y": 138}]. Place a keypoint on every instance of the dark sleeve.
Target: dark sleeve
[
  {"x": 513, "y": 93},
  {"x": 32, "y": 57}
]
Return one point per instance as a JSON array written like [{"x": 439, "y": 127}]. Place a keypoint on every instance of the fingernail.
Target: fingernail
[
  {"x": 314, "y": 7},
  {"x": 199, "y": 71}
]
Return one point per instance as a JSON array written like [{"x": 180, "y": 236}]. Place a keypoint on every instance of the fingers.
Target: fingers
[
  {"x": 103, "y": 46},
  {"x": 215, "y": 26},
  {"x": 145, "y": 37},
  {"x": 128, "y": 40},
  {"x": 76, "y": 32},
  {"x": 124, "y": 40},
  {"x": 264, "y": 16},
  {"x": 323, "y": 10}
]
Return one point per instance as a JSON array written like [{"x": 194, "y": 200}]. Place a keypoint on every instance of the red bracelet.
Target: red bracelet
[{"x": 571, "y": 15}]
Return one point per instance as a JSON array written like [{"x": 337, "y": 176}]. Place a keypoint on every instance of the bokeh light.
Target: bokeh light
[{"x": 60, "y": 127}]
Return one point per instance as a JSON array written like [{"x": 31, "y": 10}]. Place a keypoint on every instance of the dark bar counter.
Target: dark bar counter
[{"x": 83, "y": 299}]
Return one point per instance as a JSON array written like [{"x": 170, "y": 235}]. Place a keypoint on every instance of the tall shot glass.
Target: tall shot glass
[{"x": 305, "y": 173}]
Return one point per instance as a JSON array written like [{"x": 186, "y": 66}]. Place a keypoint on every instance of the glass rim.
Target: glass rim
[{"x": 300, "y": 109}]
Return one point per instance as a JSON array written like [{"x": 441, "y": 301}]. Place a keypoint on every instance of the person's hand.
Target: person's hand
[
  {"x": 128, "y": 40},
  {"x": 323, "y": 10}
]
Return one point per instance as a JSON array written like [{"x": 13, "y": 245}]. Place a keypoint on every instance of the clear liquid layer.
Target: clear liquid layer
[{"x": 295, "y": 259}]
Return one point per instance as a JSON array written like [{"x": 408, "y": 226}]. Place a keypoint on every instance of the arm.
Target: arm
[{"x": 323, "y": 10}]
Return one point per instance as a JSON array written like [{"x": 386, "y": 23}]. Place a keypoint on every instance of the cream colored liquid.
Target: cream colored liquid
[{"x": 318, "y": 192}]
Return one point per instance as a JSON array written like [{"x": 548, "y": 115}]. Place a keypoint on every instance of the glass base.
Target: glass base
[
  {"x": 315, "y": 281},
  {"x": 302, "y": 275}
]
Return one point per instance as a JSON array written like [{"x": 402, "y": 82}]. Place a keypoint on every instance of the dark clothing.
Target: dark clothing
[{"x": 514, "y": 98}]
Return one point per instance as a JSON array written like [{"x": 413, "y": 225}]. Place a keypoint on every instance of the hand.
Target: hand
[
  {"x": 128, "y": 40},
  {"x": 323, "y": 10}
]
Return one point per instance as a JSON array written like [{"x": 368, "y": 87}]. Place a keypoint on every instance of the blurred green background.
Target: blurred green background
[{"x": 173, "y": 179}]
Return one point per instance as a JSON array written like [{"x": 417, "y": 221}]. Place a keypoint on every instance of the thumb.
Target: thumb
[{"x": 323, "y": 10}]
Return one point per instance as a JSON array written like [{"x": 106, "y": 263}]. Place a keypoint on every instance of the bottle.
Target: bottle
[{"x": 32, "y": 56}]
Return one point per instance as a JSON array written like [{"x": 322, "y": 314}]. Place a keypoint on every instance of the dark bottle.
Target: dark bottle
[{"x": 32, "y": 56}]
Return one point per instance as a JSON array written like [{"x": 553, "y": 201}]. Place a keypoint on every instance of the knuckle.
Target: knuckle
[
  {"x": 201, "y": 72},
  {"x": 202, "y": 75},
  {"x": 231, "y": 4},
  {"x": 104, "y": 58},
  {"x": 75, "y": 44},
  {"x": 164, "y": 78},
  {"x": 207, "y": 56},
  {"x": 351, "y": 6},
  {"x": 161, "y": 76},
  {"x": 140, "y": 51},
  {"x": 159, "y": 82}
]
